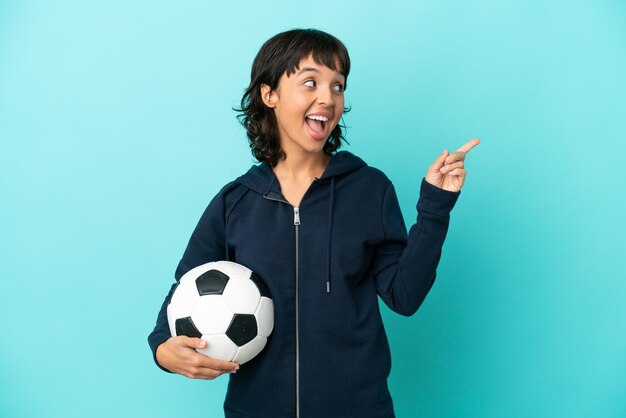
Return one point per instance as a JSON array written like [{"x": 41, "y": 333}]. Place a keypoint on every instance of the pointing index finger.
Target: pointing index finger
[{"x": 469, "y": 145}]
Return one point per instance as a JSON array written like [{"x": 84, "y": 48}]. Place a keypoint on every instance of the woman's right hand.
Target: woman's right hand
[{"x": 178, "y": 355}]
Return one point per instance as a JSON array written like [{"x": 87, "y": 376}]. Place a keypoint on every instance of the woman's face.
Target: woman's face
[{"x": 312, "y": 89}]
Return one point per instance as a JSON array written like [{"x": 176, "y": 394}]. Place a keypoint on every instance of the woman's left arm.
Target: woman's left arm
[{"x": 405, "y": 267}]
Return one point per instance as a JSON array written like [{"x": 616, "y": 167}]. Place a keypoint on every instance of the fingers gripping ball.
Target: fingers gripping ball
[{"x": 227, "y": 305}]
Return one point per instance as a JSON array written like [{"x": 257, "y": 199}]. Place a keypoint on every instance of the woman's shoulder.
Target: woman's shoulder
[
  {"x": 231, "y": 191},
  {"x": 227, "y": 194},
  {"x": 373, "y": 175}
]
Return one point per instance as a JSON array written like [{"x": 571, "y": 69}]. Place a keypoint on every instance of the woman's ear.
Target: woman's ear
[{"x": 266, "y": 95}]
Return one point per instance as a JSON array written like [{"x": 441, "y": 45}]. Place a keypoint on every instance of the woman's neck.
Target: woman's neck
[{"x": 302, "y": 168}]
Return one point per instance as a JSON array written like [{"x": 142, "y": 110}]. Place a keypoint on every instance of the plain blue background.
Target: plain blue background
[{"x": 116, "y": 130}]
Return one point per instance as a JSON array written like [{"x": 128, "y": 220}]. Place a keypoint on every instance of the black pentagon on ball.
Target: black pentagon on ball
[
  {"x": 242, "y": 329},
  {"x": 185, "y": 326},
  {"x": 211, "y": 282},
  {"x": 260, "y": 284}
]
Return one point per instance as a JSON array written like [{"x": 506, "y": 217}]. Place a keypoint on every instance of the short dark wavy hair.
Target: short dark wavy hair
[{"x": 283, "y": 53}]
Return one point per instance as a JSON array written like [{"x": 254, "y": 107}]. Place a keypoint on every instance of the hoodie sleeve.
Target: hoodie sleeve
[
  {"x": 205, "y": 245},
  {"x": 405, "y": 268}
]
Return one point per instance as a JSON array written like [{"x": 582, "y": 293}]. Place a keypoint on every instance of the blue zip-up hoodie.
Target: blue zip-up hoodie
[{"x": 324, "y": 263}]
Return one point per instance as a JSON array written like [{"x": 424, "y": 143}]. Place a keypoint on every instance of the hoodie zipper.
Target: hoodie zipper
[{"x": 296, "y": 223}]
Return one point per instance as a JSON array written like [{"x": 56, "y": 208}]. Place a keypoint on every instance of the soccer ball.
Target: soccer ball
[{"x": 227, "y": 305}]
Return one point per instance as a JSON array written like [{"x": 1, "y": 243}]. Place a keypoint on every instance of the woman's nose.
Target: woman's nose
[{"x": 326, "y": 97}]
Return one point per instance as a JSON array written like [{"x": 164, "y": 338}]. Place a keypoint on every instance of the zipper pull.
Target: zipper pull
[{"x": 296, "y": 216}]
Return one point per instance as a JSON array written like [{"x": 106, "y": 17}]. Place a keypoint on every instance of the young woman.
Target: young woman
[{"x": 325, "y": 232}]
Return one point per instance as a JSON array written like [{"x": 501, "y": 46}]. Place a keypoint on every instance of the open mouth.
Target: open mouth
[{"x": 317, "y": 128}]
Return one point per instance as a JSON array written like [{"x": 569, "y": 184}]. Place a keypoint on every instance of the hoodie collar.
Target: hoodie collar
[{"x": 262, "y": 179}]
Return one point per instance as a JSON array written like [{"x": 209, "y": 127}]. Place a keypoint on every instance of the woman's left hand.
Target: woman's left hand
[{"x": 448, "y": 171}]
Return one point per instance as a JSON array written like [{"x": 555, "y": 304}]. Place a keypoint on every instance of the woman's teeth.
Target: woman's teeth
[{"x": 322, "y": 118}]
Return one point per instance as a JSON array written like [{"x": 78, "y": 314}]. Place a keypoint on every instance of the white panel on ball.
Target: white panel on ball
[
  {"x": 233, "y": 269},
  {"x": 183, "y": 301},
  {"x": 218, "y": 346},
  {"x": 242, "y": 294},
  {"x": 265, "y": 317},
  {"x": 212, "y": 314},
  {"x": 171, "y": 319},
  {"x": 184, "y": 298},
  {"x": 250, "y": 350}
]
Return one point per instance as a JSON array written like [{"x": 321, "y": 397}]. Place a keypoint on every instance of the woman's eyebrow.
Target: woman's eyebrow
[
  {"x": 305, "y": 69},
  {"x": 309, "y": 69}
]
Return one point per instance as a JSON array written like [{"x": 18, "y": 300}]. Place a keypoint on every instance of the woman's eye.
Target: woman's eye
[{"x": 340, "y": 89}]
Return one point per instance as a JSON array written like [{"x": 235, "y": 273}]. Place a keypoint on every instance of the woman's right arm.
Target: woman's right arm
[{"x": 176, "y": 354}]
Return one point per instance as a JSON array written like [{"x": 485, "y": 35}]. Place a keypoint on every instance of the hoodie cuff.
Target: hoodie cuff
[
  {"x": 435, "y": 200},
  {"x": 155, "y": 341}
]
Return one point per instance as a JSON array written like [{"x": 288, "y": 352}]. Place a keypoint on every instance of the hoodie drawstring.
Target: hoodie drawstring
[{"x": 330, "y": 230}]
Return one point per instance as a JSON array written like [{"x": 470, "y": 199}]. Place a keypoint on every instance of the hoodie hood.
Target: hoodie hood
[{"x": 262, "y": 179}]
